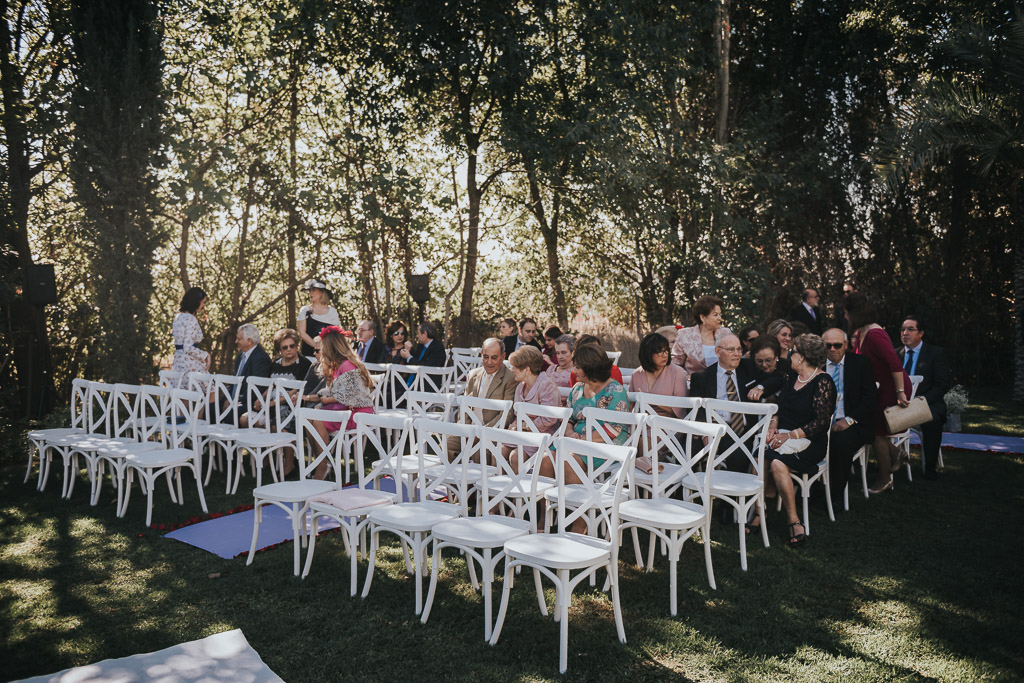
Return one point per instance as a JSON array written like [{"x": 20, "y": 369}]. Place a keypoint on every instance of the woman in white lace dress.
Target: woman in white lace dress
[{"x": 187, "y": 356}]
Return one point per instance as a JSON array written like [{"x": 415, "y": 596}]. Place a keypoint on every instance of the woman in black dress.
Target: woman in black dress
[{"x": 798, "y": 435}]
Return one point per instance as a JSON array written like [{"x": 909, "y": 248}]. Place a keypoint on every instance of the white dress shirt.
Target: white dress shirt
[
  {"x": 723, "y": 392},
  {"x": 840, "y": 400},
  {"x": 809, "y": 310},
  {"x": 245, "y": 359}
]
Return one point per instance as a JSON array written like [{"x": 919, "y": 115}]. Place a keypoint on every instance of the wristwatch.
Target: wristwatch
[{"x": 850, "y": 421}]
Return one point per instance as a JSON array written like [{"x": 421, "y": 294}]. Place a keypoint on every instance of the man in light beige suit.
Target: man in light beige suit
[{"x": 494, "y": 380}]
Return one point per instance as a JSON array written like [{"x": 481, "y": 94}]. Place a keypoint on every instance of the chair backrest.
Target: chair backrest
[
  {"x": 471, "y": 409},
  {"x": 379, "y": 376},
  {"x": 432, "y": 443},
  {"x": 226, "y": 388},
  {"x": 535, "y": 418},
  {"x": 124, "y": 411},
  {"x": 169, "y": 378},
  {"x": 627, "y": 374},
  {"x": 199, "y": 381},
  {"x": 153, "y": 412},
  {"x": 430, "y": 378},
  {"x": 614, "y": 355},
  {"x": 649, "y": 403},
  {"x": 424, "y": 404},
  {"x": 400, "y": 379},
  {"x": 79, "y": 402},
  {"x": 369, "y": 428},
  {"x": 313, "y": 449},
  {"x": 97, "y": 410},
  {"x": 751, "y": 440},
  {"x": 915, "y": 382},
  {"x": 260, "y": 391},
  {"x": 513, "y": 475},
  {"x": 680, "y": 446},
  {"x": 564, "y": 392},
  {"x": 599, "y": 483},
  {"x": 286, "y": 403},
  {"x": 607, "y": 423},
  {"x": 182, "y": 412},
  {"x": 464, "y": 360}
]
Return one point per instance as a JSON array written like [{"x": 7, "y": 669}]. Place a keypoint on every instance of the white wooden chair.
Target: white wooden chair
[
  {"x": 351, "y": 505},
  {"x": 902, "y": 440},
  {"x": 97, "y": 433},
  {"x": 412, "y": 522},
  {"x": 482, "y": 537},
  {"x": 170, "y": 379},
  {"x": 218, "y": 433},
  {"x": 40, "y": 441},
  {"x": 181, "y": 451},
  {"x": 272, "y": 437},
  {"x": 614, "y": 355},
  {"x": 558, "y": 555},
  {"x": 805, "y": 481},
  {"x": 670, "y": 519},
  {"x": 293, "y": 496},
  {"x": 151, "y": 414}
]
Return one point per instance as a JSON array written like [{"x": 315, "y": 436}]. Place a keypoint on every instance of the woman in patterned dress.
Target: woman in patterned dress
[{"x": 187, "y": 333}]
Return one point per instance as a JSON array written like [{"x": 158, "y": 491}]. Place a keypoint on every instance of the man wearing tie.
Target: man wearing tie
[
  {"x": 370, "y": 348},
  {"x": 492, "y": 380},
  {"x": 251, "y": 361},
  {"x": 930, "y": 363},
  {"x": 856, "y": 398},
  {"x": 808, "y": 312},
  {"x": 428, "y": 350},
  {"x": 727, "y": 380}
]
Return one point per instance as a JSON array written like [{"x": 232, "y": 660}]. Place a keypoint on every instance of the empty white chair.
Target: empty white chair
[
  {"x": 293, "y": 496},
  {"x": 558, "y": 555},
  {"x": 40, "y": 440},
  {"x": 672, "y": 520},
  {"x": 181, "y": 451},
  {"x": 273, "y": 435},
  {"x": 482, "y": 537},
  {"x": 170, "y": 379},
  {"x": 351, "y": 505},
  {"x": 97, "y": 432},
  {"x": 152, "y": 410},
  {"x": 412, "y": 522},
  {"x": 218, "y": 433},
  {"x": 614, "y": 355}
]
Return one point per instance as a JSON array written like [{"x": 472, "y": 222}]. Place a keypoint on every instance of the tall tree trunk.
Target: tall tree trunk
[
  {"x": 463, "y": 329},
  {"x": 549, "y": 231},
  {"x": 1018, "y": 290},
  {"x": 293, "y": 125},
  {"x": 722, "y": 55}
]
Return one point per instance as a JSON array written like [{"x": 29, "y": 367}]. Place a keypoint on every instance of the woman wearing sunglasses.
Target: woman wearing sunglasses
[{"x": 394, "y": 341}]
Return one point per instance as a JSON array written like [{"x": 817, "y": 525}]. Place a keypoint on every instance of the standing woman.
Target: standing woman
[
  {"x": 187, "y": 333},
  {"x": 317, "y": 315},
  {"x": 782, "y": 332},
  {"x": 347, "y": 386},
  {"x": 893, "y": 381},
  {"x": 694, "y": 349}
]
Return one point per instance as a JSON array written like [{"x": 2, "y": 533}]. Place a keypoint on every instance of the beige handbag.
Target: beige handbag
[{"x": 899, "y": 419}]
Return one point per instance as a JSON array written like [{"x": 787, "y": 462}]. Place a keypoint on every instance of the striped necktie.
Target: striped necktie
[{"x": 736, "y": 420}]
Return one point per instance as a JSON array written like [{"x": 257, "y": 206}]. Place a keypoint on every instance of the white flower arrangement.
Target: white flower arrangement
[{"x": 956, "y": 400}]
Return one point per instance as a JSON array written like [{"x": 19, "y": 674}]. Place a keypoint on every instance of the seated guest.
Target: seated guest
[
  {"x": 561, "y": 372},
  {"x": 507, "y": 328},
  {"x": 395, "y": 337},
  {"x": 347, "y": 387},
  {"x": 782, "y": 332},
  {"x": 534, "y": 386},
  {"x": 856, "y": 396},
  {"x": 370, "y": 348},
  {"x": 591, "y": 339},
  {"x": 658, "y": 374},
  {"x": 807, "y": 312},
  {"x": 928, "y": 361},
  {"x": 747, "y": 336},
  {"x": 798, "y": 435},
  {"x": 727, "y": 380},
  {"x": 289, "y": 365},
  {"x": 764, "y": 366},
  {"x": 527, "y": 332},
  {"x": 492, "y": 380},
  {"x": 596, "y": 389},
  {"x": 670, "y": 332},
  {"x": 428, "y": 350},
  {"x": 550, "y": 336},
  {"x": 694, "y": 349}
]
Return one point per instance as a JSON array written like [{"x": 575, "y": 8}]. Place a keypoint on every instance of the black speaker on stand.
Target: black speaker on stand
[
  {"x": 419, "y": 290},
  {"x": 40, "y": 284}
]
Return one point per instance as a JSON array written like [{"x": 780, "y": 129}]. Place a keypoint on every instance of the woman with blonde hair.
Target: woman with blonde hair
[{"x": 347, "y": 384}]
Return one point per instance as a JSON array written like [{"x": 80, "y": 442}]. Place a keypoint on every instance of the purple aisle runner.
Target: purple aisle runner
[
  {"x": 980, "y": 442},
  {"x": 230, "y": 535}
]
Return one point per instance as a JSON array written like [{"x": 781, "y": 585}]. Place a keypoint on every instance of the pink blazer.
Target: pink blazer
[{"x": 688, "y": 351}]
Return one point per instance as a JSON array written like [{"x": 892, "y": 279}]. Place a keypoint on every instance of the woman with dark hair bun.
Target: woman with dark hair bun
[
  {"x": 694, "y": 349},
  {"x": 551, "y": 335},
  {"x": 747, "y": 337},
  {"x": 187, "y": 333}
]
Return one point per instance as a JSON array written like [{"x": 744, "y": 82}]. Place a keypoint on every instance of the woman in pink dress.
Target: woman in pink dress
[
  {"x": 869, "y": 339},
  {"x": 694, "y": 349},
  {"x": 657, "y": 375},
  {"x": 187, "y": 356},
  {"x": 534, "y": 386}
]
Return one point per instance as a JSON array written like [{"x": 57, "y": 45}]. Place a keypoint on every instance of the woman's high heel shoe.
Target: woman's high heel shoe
[{"x": 884, "y": 487}]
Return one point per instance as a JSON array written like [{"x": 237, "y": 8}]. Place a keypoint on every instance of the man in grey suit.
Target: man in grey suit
[{"x": 493, "y": 380}]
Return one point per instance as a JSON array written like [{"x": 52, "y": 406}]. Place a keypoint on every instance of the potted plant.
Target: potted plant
[{"x": 956, "y": 403}]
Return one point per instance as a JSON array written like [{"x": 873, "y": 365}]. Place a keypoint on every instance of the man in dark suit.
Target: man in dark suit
[
  {"x": 428, "y": 350},
  {"x": 727, "y": 380},
  {"x": 857, "y": 398},
  {"x": 930, "y": 363},
  {"x": 807, "y": 312},
  {"x": 370, "y": 347},
  {"x": 252, "y": 361},
  {"x": 526, "y": 336}
]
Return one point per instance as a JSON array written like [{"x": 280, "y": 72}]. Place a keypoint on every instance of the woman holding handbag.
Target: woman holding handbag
[{"x": 894, "y": 388}]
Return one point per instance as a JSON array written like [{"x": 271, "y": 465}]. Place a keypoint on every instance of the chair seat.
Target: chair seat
[
  {"x": 411, "y": 463},
  {"x": 559, "y": 551},
  {"x": 664, "y": 513},
  {"x": 293, "y": 491},
  {"x": 350, "y": 500},
  {"x": 497, "y": 483},
  {"x": 123, "y": 450},
  {"x": 474, "y": 471},
  {"x": 87, "y": 442},
  {"x": 265, "y": 440},
  {"x": 54, "y": 433},
  {"x": 726, "y": 483},
  {"x": 421, "y": 516},
  {"x": 160, "y": 457},
  {"x": 575, "y": 494},
  {"x": 217, "y": 431},
  {"x": 489, "y": 531}
]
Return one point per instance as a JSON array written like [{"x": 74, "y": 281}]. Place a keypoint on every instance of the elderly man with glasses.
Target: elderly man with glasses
[
  {"x": 856, "y": 400},
  {"x": 370, "y": 347}
]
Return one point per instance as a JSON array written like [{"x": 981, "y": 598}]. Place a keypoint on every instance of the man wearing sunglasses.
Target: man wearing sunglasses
[
  {"x": 857, "y": 396},
  {"x": 930, "y": 363}
]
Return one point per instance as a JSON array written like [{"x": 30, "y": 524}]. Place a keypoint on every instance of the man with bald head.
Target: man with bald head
[
  {"x": 857, "y": 396},
  {"x": 492, "y": 380},
  {"x": 727, "y": 380}
]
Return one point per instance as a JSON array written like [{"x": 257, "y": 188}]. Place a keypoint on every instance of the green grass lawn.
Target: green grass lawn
[
  {"x": 920, "y": 583},
  {"x": 992, "y": 410}
]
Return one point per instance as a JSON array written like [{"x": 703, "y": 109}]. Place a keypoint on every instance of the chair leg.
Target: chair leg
[
  {"x": 197, "y": 469},
  {"x": 149, "y": 500},
  {"x": 805, "y": 493},
  {"x": 506, "y": 589},
  {"x": 257, "y": 517},
  {"x": 743, "y": 544},
  {"x": 296, "y": 535},
  {"x": 707, "y": 550},
  {"x": 313, "y": 525},
  {"x": 563, "y": 626},
  {"x": 488, "y": 572},
  {"x": 673, "y": 564},
  {"x": 539, "y": 587},
  {"x": 434, "y": 571},
  {"x": 613, "y": 574},
  {"x": 32, "y": 449},
  {"x": 374, "y": 540}
]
